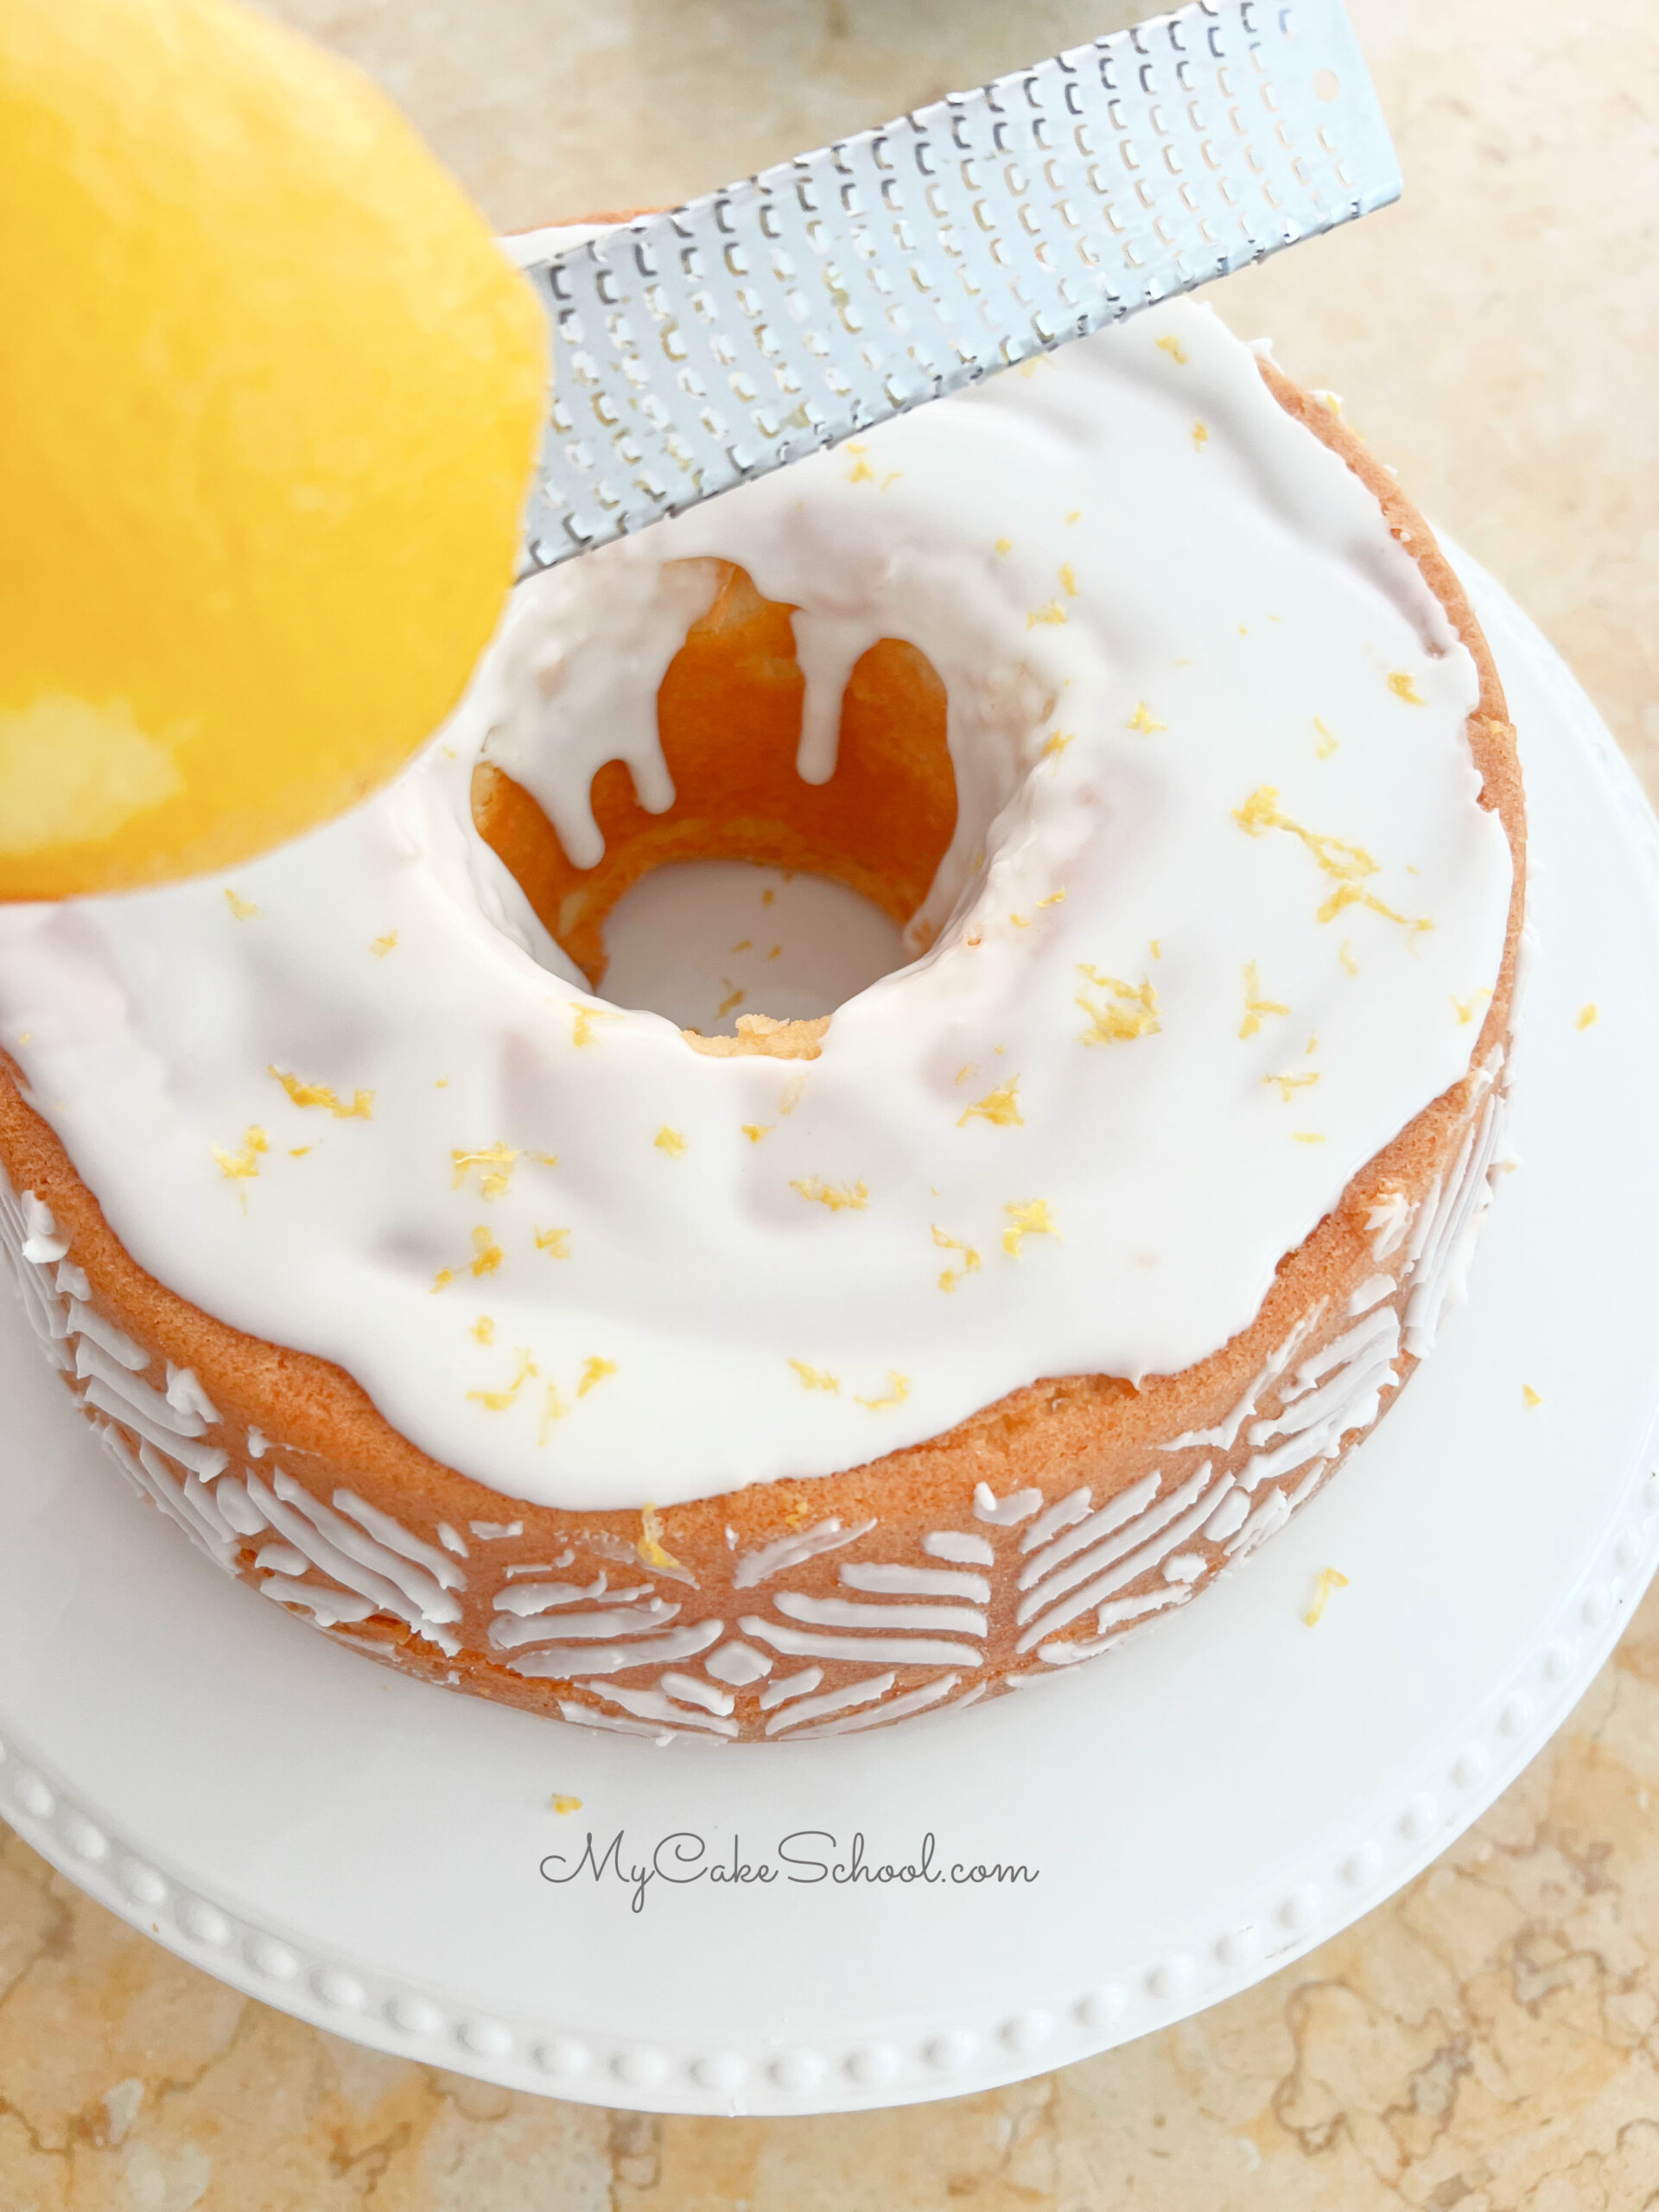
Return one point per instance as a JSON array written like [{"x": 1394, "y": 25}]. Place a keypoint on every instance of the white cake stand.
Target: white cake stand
[{"x": 1196, "y": 1809}]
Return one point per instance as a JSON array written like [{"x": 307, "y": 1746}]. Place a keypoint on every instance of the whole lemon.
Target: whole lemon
[{"x": 270, "y": 397}]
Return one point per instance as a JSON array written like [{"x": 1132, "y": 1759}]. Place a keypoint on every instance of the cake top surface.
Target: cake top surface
[{"x": 1219, "y": 917}]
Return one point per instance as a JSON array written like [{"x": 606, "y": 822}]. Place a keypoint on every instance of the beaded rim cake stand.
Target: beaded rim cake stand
[{"x": 1195, "y": 1810}]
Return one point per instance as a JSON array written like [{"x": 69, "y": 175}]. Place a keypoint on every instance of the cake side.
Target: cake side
[{"x": 1036, "y": 1533}]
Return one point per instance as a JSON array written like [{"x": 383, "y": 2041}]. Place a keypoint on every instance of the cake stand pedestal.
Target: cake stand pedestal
[{"x": 1170, "y": 1824}]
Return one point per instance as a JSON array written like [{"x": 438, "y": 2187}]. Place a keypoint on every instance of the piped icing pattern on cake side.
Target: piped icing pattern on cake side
[
  {"x": 1216, "y": 922},
  {"x": 598, "y": 1634}
]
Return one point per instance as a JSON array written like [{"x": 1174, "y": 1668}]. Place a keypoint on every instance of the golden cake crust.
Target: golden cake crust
[{"x": 1050, "y": 1442}]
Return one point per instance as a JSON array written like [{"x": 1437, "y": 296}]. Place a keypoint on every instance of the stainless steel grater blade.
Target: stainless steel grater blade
[{"x": 697, "y": 349}]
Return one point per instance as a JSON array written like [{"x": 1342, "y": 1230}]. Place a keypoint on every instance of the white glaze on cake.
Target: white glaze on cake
[{"x": 1196, "y": 618}]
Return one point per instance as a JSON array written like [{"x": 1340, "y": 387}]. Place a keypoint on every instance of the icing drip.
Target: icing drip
[
  {"x": 967, "y": 1551},
  {"x": 1445, "y": 1243},
  {"x": 791, "y": 1685},
  {"x": 1004, "y": 1512},
  {"x": 1051, "y": 1603},
  {"x": 559, "y": 1662},
  {"x": 893, "y": 1708},
  {"x": 784, "y": 1552},
  {"x": 738, "y": 1664},
  {"x": 816, "y": 1708}
]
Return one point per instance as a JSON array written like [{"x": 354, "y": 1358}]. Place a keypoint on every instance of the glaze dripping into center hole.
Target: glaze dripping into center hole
[{"x": 659, "y": 921}]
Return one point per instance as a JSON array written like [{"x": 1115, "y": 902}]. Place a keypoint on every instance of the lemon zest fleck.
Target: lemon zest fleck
[
  {"x": 1068, "y": 577},
  {"x": 581, "y": 1030},
  {"x": 1329, "y": 1579},
  {"x": 1254, "y": 1005},
  {"x": 1200, "y": 437},
  {"x": 1404, "y": 686},
  {"x": 1005, "y": 545},
  {"x": 593, "y": 1371},
  {"x": 1465, "y": 1008},
  {"x": 747, "y": 946},
  {"x": 735, "y": 999},
  {"x": 1327, "y": 744},
  {"x": 555, "y": 1243},
  {"x": 1054, "y": 899},
  {"x": 320, "y": 1094},
  {"x": 952, "y": 1276},
  {"x": 1027, "y": 1217},
  {"x": 1345, "y": 954},
  {"x": 1058, "y": 742},
  {"x": 441, "y": 1280},
  {"x": 1142, "y": 720},
  {"x": 1129, "y": 1011},
  {"x": 243, "y": 909},
  {"x": 1533, "y": 1397},
  {"x": 1262, "y": 810},
  {"x": 815, "y": 1378},
  {"x": 1051, "y": 614},
  {"x": 1288, "y": 1083},
  {"x": 898, "y": 1391},
  {"x": 668, "y": 1141},
  {"x": 563, "y": 1804},
  {"x": 1350, "y": 895},
  {"x": 650, "y": 1545},
  {"x": 790, "y": 1097},
  {"x": 755, "y": 1130},
  {"x": 1306, "y": 1136},
  {"x": 1176, "y": 351},
  {"x": 497, "y": 1401},
  {"x": 382, "y": 945},
  {"x": 494, "y": 1163},
  {"x": 1349, "y": 864},
  {"x": 553, "y": 1409},
  {"x": 1000, "y": 1107},
  {"x": 239, "y": 1166},
  {"x": 1588, "y": 1014},
  {"x": 835, "y": 1196},
  {"x": 488, "y": 1255},
  {"x": 483, "y": 1330}
]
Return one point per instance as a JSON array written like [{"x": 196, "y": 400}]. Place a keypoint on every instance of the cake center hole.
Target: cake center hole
[
  {"x": 735, "y": 886},
  {"x": 704, "y": 942}
]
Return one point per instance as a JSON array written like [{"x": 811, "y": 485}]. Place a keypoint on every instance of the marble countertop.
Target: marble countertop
[{"x": 1489, "y": 2039}]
